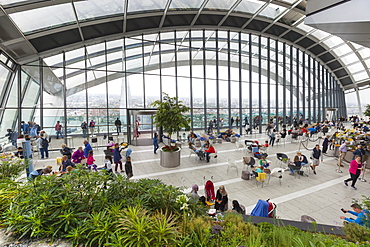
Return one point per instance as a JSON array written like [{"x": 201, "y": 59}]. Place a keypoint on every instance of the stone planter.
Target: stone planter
[{"x": 170, "y": 159}]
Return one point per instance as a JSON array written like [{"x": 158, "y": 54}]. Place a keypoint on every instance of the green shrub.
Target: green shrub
[
  {"x": 10, "y": 168},
  {"x": 356, "y": 233}
]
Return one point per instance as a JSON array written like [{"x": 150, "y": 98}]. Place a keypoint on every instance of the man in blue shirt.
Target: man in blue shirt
[{"x": 362, "y": 218}]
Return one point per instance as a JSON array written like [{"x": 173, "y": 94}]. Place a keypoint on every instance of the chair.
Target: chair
[
  {"x": 260, "y": 178},
  {"x": 283, "y": 159},
  {"x": 94, "y": 141},
  {"x": 192, "y": 152},
  {"x": 231, "y": 164},
  {"x": 276, "y": 173},
  {"x": 296, "y": 170},
  {"x": 248, "y": 162},
  {"x": 239, "y": 145},
  {"x": 213, "y": 155}
]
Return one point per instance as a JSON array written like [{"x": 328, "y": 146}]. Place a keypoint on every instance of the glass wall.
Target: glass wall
[{"x": 221, "y": 75}]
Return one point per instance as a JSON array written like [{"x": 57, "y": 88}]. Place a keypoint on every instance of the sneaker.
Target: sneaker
[
  {"x": 353, "y": 187},
  {"x": 216, "y": 156},
  {"x": 314, "y": 172},
  {"x": 345, "y": 183},
  {"x": 122, "y": 171}
]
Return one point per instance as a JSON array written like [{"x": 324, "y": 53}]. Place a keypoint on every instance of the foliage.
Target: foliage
[
  {"x": 93, "y": 209},
  {"x": 170, "y": 114},
  {"x": 11, "y": 167},
  {"x": 356, "y": 233},
  {"x": 367, "y": 111},
  {"x": 77, "y": 206}
]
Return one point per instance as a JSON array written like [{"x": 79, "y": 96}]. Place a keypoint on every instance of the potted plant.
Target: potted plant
[{"x": 170, "y": 116}]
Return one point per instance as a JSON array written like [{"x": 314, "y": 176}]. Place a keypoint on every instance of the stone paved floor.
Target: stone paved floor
[{"x": 320, "y": 196}]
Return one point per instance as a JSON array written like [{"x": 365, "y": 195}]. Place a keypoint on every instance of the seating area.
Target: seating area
[{"x": 291, "y": 194}]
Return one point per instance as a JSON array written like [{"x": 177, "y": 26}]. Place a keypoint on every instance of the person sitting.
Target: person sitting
[
  {"x": 65, "y": 163},
  {"x": 237, "y": 208},
  {"x": 362, "y": 217},
  {"x": 66, "y": 151},
  {"x": 192, "y": 137},
  {"x": 200, "y": 153},
  {"x": 263, "y": 162},
  {"x": 209, "y": 151},
  {"x": 296, "y": 165},
  {"x": 302, "y": 158}
]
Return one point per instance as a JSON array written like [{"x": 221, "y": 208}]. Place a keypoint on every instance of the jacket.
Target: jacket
[
  {"x": 77, "y": 156},
  {"x": 117, "y": 155},
  {"x": 361, "y": 217},
  {"x": 87, "y": 149},
  {"x": 353, "y": 167}
]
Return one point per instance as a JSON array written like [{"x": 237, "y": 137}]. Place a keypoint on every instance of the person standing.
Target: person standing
[
  {"x": 343, "y": 149},
  {"x": 92, "y": 126},
  {"x": 155, "y": 143},
  {"x": 84, "y": 129},
  {"x": 43, "y": 146},
  {"x": 118, "y": 124},
  {"x": 232, "y": 121},
  {"x": 272, "y": 137},
  {"x": 58, "y": 130},
  {"x": 355, "y": 168},
  {"x": 316, "y": 156},
  {"x": 117, "y": 158},
  {"x": 210, "y": 127},
  {"x": 237, "y": 120},
  {"x": 87, "y": 148},
  {"x": 325, "y": 144},
  {"x": 128, "y": 167}
]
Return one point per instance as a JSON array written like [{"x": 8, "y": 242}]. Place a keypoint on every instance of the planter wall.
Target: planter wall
[{"x": 170, "y": 159}]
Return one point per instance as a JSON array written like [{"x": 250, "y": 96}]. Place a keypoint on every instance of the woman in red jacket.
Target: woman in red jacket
[
  {"x": 355, "y": 168},
  {"x": 210, "y": 150}
]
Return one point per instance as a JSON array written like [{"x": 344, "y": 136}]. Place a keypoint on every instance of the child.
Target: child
[
  {"x": 90, "y": 161},
  {"x": 108, "y": 165},
  {"x": 128, "y": 167}
]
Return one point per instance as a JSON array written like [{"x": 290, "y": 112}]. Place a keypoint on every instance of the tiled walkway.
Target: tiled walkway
[{"x": 320, "y": 196}]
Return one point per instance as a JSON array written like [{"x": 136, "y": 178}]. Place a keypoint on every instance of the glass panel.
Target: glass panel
[
  {"x": 152, "y": 89},
  {"x": 333, "y": 41},
  {"x": 320, "y": 34},
  {"x": 211, "y": 94},
  {"x": 184, "y": 90},
  {"x": 341, "y": 50},
  {"x": 185, "y": 4},
  {"x": 32, "y": 94},
  {"x": 223, "y": 94},
  {"x": 355, "y": 67},
  {"x": 91, "y": 9},
  {"x": 360, "y": 76},
  {"x": 47, "y": 17},
  {"x": 116, "y": 93},
  {"x": 350, "y": 58},
  {"x": 234, "y": 94},
  {"x": 13, "y": 96},
  {"x": 250, "y": 6},
  {"x": 8, "y": 121},
  {"x": 198, "y": 93},
  {"x": 4, "y": 76},
  {"x": 272, "y": 11},
  {"x": 219, "y": 4},
  {"x": 365, "y": 53},
  {"x": 144, "y": 5},
  {"x": 305, "y": 28},
  {"x": 135, "y": 90}
]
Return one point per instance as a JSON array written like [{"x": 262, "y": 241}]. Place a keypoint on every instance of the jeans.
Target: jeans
[
  {"x": 59, "y": 133},
  {"x": 44, "y": 151},
  {"x": 156, "y": 146},
  {"x": 84, "y": 133},
  {"x": 118, "y": 128}
]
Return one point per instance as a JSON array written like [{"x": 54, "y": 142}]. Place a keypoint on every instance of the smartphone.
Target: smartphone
[{"x": 344, "y": 211}]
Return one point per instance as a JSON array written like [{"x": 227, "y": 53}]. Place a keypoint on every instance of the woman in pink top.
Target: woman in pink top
[{"x": 355, "y": 168}]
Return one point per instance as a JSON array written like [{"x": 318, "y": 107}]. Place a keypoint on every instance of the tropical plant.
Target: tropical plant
[
  {"x": 367, "y": 111},
  {"x": 170, "y": 116},
  {"x": 11, "y": 167}
]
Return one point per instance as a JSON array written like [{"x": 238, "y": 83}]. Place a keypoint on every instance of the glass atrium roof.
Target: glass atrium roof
[{"x": 44, "y": 28}]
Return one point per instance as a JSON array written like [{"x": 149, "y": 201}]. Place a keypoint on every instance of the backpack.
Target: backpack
[{"x": 44, "y": 143}]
